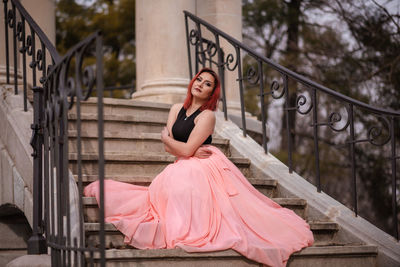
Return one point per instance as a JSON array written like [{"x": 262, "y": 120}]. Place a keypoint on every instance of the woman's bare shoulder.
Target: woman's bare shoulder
[
  {"x": 206, "y": 115},
  {"x": 176, "y": 107}
]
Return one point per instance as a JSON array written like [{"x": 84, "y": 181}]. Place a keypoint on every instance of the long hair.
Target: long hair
[{"x": 214, "y": 97}]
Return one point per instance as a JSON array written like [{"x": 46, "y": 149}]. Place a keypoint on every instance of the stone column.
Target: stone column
[
  {"x": 3, "y": 48},
  {"x": 161, "y": 53},
  {"x": 43, "y": 12},
  {"x": 226, "y": 15}
]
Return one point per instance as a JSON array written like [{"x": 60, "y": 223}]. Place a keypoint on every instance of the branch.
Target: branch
[{"x": 388, "y": 14}]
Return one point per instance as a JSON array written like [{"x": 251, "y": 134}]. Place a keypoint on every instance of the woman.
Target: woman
[{"x": 202, "y": 202}]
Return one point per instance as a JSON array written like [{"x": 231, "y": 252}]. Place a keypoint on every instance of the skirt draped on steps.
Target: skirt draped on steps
[{"x": 204, "y": 205}]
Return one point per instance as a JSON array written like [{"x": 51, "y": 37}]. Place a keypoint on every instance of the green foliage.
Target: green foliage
[{"x": 115, "y": 18}]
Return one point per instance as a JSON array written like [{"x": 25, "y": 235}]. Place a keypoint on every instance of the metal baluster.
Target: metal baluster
[
  {"x": 33, "y": 62},
  {"x": 316, "y": 143},
  {"x": 188, "y": 47},
  {"x": 352, "y": 159},
  {"x": 394, "y": 182},
  {"x": 263, "y": 118},
  {"x": 5, "y": 2},
  {"x": 43, "y": 67},
  {"x": 240, "y": 80},
  {"x": 221, "y": 71},
  {"x": 37, "y": 243},
  {"x": 80, "y": 184},
  {"x": 100, "y": 88},
  {"x": 58, "y": 165},
  {"x": 287, "y": 110},
  {"x": 65, "y": 176},
  {"x": 46, "y": 169},
  {"x": 23, "y": 51},
  {"x": 75, "y": 260},
  {"x": 52, "y": 168},
  {"x": 15, "y": 49}
]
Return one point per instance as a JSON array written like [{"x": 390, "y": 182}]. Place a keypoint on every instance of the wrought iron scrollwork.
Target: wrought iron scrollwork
[
  {"x": 301, "y": 101},
  {"x": 375, "y": 133},
  {"x": 252, "y": 76},
  {"x": 335, "y": 118},
  {"x": 10, "y": 18},
  {"x": 230, "y": 58},
  {"x": 207, "y": 53},
  {"x": 29, "y": 48},
  {"x": 19, "y": 31},
  {"x": 35, "y": 135},
  {"x": 275, "y": 86},
  {"x": 194, "y": 37}
]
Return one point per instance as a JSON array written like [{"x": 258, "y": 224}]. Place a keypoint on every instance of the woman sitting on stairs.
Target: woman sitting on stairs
[{"x": 202, "y": 202}]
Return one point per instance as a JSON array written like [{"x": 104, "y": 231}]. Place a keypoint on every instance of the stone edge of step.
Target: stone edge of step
[
  {"x": 281, "y": 201},
  {"x": 119, "y": 118},
  {"x": 72, "y": 134},
  {"x": 127, "y": 102},
  {"x": 345, "y": 250},
  {"x": 135, "y": 156},
  {"x": 314, "y": 226},
  {"x": 147, "y": 180}
]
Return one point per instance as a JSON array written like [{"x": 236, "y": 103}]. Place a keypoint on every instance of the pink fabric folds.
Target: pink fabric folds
[{"x": 204, "y": 205}]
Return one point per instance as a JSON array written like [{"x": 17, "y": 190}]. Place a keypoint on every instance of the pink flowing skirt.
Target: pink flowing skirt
[{"x": 204, "y": 205}]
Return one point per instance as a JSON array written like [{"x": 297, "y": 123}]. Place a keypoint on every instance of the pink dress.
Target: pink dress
[{"x": 204, "y": 205}]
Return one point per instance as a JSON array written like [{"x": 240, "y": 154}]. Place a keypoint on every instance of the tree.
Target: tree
[
  {"x": 361, "y": 61},
  {"x": 115, "y": 18}
]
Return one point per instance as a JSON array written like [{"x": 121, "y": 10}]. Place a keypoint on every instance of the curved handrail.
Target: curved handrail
[
  {"x": 300, "y": 78},
  {"x": 382, "y": 130}
]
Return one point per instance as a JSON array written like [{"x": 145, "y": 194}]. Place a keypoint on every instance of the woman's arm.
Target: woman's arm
[
  {"x": 172, "y": 115},
  {"x": 204, "y": 126}
]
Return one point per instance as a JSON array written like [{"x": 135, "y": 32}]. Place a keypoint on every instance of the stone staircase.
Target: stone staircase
[{"x": 135, "y": 154}]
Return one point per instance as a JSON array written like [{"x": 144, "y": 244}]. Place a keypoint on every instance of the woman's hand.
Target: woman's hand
[{"x": 202, "y": 152}]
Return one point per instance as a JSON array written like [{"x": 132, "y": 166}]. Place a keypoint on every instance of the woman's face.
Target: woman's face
[{"x": 203, "y": 86}]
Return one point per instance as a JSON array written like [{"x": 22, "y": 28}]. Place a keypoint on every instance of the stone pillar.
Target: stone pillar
[
  {"x": 3, "y": 48},
  {"x": 43, "y": 12},
  {"x": 226, "y": 15},
  {"x": 161, "y": 53}
]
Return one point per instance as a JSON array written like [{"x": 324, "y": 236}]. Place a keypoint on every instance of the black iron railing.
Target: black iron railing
[
  {"x": 209, "y": 46},
  {"x": 59, "y": 84}
]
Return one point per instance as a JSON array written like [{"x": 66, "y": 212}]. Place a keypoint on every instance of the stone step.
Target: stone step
[
  {"x": 265, "y": 186},
  {"x": 128, "y": 141},
  {"x": 332, "y": 256},
  {"x": 114, "y": 239},
  {"x": 323, "y": 232},
  {"x": 113, "y": 106},
  {"x": 298, "y": 205},
  {"x": 7, "y": 255},
  {"x": 133, "y": 163},
  {"x": 146, "y": 123}
]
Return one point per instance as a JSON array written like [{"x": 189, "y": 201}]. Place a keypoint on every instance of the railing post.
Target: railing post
[{"x": 37, "y": 242}]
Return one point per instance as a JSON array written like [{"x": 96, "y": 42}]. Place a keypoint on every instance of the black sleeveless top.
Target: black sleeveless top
[{"x": 183, "y": 126}]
